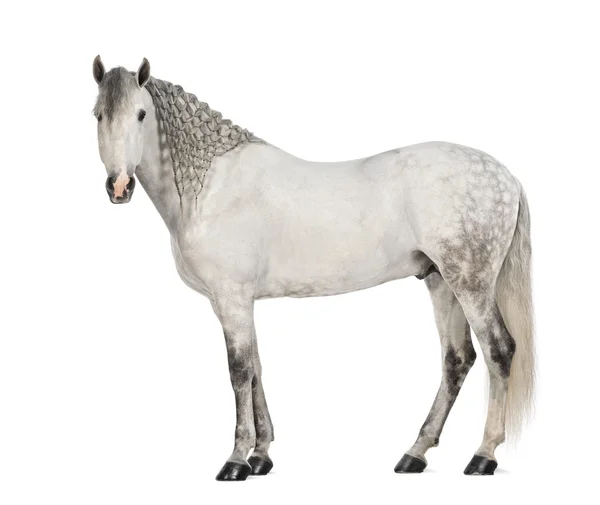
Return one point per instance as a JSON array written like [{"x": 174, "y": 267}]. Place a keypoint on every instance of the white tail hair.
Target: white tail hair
[{"x": 513, "y": 296}]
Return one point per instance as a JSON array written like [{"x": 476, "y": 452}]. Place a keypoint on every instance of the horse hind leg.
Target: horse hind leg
[
  {"x": 474, "y": 284},
  {"x": 458, "y": 357},
  {"x": 498, "y": 348}
]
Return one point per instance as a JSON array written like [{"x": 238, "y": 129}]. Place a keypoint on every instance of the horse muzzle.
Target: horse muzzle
[{"x": 120, "y": 188}]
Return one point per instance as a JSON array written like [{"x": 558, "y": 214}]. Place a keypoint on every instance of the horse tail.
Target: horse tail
[{"x": 513, "y": 296}]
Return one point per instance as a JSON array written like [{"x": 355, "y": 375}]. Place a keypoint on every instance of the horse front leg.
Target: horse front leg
[
  {"x": 259, "y": 460},
  {"x": 235, "y": 312}
]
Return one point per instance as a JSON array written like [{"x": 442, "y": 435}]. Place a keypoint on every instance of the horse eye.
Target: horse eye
[
  {"x": 141, "y": 115},
  {"x": 99, "y": 117}
]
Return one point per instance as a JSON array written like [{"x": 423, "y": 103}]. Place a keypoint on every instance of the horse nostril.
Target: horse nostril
[
  {"x": 131, "y": 185},
  {"x": 110, "y": 187}
]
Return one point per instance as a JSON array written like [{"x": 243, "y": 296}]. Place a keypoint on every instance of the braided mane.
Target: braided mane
[{"x": 195, "y": 133}]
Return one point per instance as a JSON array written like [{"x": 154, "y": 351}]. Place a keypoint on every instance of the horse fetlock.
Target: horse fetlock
[
  {"x": 264, "y": 432},
  {"x": 245, "y": 435}
]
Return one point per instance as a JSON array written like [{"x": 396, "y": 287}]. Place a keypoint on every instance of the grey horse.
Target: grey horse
[{"x": 250, "y": 221}]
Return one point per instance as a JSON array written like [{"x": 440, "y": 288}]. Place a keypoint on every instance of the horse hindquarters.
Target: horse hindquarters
[{"x": 494, "y": 292}]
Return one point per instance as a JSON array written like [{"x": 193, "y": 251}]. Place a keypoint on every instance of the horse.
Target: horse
[{"x": 249, "y": 221}]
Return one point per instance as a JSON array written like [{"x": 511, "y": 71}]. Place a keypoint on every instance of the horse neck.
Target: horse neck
[{"x": 155, "y": 171}]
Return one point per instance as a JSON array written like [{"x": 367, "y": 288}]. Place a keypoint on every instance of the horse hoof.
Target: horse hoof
[
  {"x": 480, "y": 465},
  {"x": 410, "y": 464},
  {"x": 234, "y": 471},
  {"x": 260, "y": 466}
]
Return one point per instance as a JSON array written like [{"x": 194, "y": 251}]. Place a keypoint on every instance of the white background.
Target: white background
[{"x": 114, "y": 385}]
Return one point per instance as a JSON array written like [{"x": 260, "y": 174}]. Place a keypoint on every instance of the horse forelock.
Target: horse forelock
[{"x": 116, "y": 87}]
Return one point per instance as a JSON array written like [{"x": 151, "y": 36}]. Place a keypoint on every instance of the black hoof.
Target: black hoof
[
  {"x": 480, "y": 465},
  {"x": 410, "y": 464},
  {"x": 260, "y": 466},
  {"x": 234, "y": 471}
]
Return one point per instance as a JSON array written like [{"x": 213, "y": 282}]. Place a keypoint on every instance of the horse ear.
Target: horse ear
[
  {"x": 98, "y": 69},
  {"x": 143, "y": 73}
]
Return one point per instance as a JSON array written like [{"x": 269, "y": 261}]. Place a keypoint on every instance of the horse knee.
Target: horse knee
[
  {"x": 241, "y": 367},
  {"x": 240, "y": 373}
]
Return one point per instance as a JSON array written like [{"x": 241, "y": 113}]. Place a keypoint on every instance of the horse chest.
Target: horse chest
[{"x": 190, "y": 267}]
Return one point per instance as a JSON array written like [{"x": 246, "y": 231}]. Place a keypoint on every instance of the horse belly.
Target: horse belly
[{"x": 324, "y": 261}]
